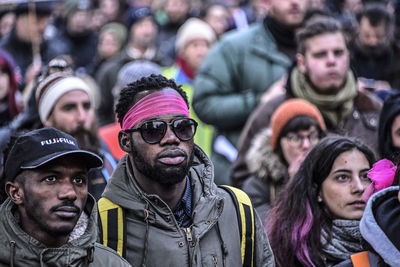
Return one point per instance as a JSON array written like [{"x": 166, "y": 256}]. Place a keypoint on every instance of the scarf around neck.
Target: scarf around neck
[
  {"x": 346, "y": 240},
  {"x": 335, "y": 108}
]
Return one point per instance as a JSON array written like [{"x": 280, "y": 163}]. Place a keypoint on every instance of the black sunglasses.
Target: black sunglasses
[{"x": 153, "y": 131}]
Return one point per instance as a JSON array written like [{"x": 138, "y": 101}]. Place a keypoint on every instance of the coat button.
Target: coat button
[
  {"x": 181, "y": 244},
  {"x": 356, "y": 115},
  {"x": 168, "y": 218},
  {"x": 373, "y": 122}
]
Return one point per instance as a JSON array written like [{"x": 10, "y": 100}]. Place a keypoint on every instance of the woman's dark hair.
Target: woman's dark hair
[
  {"x": 296, "y": 219},
  {"x": 152, "y": 82},
  {"x": 298, "y": 123},
  {"x": 390, "y": 109}
]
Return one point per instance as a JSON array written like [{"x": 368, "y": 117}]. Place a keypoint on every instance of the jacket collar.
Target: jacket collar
[{"x": 263, "y": 44}]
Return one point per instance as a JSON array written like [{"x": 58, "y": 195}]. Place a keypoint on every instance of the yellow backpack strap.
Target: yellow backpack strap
[
  {"x": 245, "y": 214},
  {"x": 112, "y": 225},
  {"x": 360, "y": 259}
]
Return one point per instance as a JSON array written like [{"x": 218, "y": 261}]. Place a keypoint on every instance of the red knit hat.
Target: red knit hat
[{"x": 288, "y": 110}]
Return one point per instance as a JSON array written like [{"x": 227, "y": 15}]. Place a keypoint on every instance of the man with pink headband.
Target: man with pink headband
[{"x": 170, "y": 212}]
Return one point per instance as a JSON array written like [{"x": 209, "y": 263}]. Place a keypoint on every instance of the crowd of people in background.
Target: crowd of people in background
[{"x": 168, "y": 109}]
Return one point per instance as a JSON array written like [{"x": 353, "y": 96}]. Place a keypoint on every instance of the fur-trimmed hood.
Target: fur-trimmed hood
[{"x": 263, "y": 161}]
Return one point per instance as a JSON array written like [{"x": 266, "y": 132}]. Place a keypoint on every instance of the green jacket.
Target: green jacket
[
  {"x": 154, "y": 238},
  {"x": 23, "y": 250},
  {"x": 234, "y": 75}
]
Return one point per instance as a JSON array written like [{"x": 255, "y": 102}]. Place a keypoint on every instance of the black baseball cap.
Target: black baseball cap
[{"x": 38, "y": 147}]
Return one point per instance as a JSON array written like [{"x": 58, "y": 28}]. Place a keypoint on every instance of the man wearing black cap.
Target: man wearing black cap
[
  {"x": 26, "y": 38},
  {"x": 49, "y": 219}
]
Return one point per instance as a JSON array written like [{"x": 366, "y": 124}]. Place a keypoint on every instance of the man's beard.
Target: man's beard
[
  {"x": 331, "y": 90},
  {"x": 166, "y": 176},
  {"x": 372, "y": 51},
  {"x": 87, "y": 139}
]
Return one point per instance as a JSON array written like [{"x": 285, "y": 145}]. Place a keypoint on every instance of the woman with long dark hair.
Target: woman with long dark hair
[{"x": 315, "y": 218}]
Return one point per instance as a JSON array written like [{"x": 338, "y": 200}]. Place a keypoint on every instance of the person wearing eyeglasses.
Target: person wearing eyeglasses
[
  {"x": 276, "y": 152},
  {"x": 175, "y": 215}
]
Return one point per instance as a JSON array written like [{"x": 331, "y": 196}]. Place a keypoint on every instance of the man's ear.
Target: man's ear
[
  {"x": 124, "y": 141},
  {"x": 301, "y": 63},
  {"x": 48, "y": 123},
  {"x": 15, "y": 191}
]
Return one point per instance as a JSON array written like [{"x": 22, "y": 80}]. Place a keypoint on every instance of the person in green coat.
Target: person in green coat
[{"x": 236, "y": 73}]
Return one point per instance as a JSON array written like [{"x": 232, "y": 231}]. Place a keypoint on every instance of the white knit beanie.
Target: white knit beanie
[
  {"x": 193, "y": 28},
  {"x": 51, "y": 89}
]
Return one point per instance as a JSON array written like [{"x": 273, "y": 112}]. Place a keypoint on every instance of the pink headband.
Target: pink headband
[{"x": 154, "y": 104}]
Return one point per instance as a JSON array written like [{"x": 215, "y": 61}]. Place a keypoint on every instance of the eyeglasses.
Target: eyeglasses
[
  {"x": 153, "y": 131},
  {"x": 297, "y": 139}
]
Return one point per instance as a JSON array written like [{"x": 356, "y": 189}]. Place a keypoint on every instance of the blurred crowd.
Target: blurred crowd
[{"x": 269, "y": 82}]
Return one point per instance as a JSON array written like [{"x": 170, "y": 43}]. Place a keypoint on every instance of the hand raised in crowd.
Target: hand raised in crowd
[{"x": 276, "y": 89}]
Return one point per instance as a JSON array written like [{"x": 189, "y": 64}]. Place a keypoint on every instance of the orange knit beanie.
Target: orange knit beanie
[{"x": 288, "y": 110}]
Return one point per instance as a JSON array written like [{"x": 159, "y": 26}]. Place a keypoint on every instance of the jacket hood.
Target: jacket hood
[
  {"x": 263, "y": 161},
  {"x": 24, "y": 250},
  {"x": 381, "y": 219},
  {"x": 123, "y": 189}
]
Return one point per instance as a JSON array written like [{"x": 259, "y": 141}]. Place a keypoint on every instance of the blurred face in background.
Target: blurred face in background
[
  {"x": 144, "y": 33},
  {"x": 176, "y": 10},
  {"x": 109, "y": 9},
  {"x": 74, "y": 114},
  {"x": 6, "y": 23},
  {"x": 217, "y": 17},
  {"x": 4, "y": 85},
  {"x": 29, "y": 30},
  {"x": 370, "y": 35},
  {"x": 396, "y": 131},
  {"x": 296, "y": 144},
  {"x": 288, "y": 12},
  {"x": 108, "y": 45},
  {"x": 79, "y": 21},
  {"x": 72, "y": 111},
  {"x": 195, "y": 51}
]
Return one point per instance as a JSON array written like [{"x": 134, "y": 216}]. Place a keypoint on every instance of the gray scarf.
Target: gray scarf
[{"x": 346, "y": 240}]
